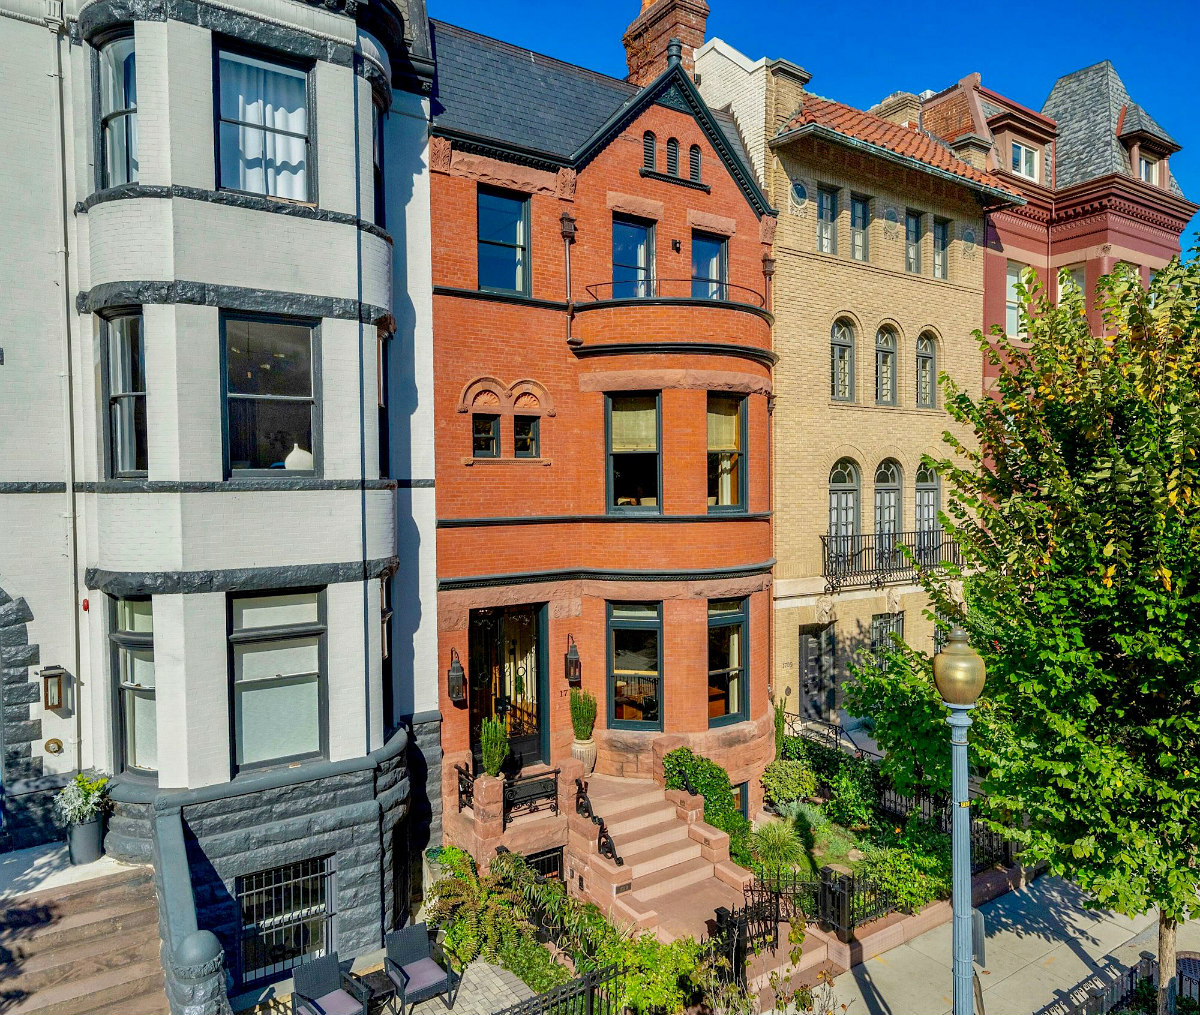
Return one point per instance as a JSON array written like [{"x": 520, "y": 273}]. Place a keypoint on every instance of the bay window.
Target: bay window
[
  {"x": 633, "y": 452},
  {"x": 117, "y": 64},
  {"x": 132, "y": 638},
  {"x": 635, "y": 665},
  {"x": 710, "y": 267},
  {"x": 726, "y": 454},
  {"x": 727, "y": 683},
  {"x": 125, "y": 392},
  {"x": 632, "y": 258}
]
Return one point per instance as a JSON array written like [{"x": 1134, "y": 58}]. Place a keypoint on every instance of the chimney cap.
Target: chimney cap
[{"x": 674, "y": 51}]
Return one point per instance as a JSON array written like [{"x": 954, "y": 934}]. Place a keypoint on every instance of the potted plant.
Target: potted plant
[
  {"x": 493, "y": 739},
  {"x": 80, "y": 806},
  {"x": 583, "y": 721}
]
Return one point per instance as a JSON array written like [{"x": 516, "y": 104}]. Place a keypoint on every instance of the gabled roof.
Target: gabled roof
[
  {"x": 549, "y": 112},
  {"x": 915, "y": 147},
  {"x": 1087, "y": 105}
]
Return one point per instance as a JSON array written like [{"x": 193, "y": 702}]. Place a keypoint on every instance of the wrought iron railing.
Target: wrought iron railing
[
  {"x": 466, "y": 788},
  {"x": 528, "y": 794},
  {"x": 828, "y": 733},
  {"x": 676, "y": 289},
  {"x": 594, "y": 993},
  {"x": 604, "y": 841},
  {"x": 878, "y": 559}
]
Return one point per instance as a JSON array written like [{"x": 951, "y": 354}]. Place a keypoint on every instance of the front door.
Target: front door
[
  {"x": 506, "y": 675},
  {"x": 818, "y": 681}
]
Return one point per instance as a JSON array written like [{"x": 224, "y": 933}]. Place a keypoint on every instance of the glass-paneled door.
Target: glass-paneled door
[{"x": 506, "y": 678}]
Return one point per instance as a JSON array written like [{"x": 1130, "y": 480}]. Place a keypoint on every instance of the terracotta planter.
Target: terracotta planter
[
  {"x": 585, "y": 751},
  {"x": 85, "y": 841}
]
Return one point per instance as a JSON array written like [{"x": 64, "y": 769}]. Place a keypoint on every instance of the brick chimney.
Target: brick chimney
[{"x": 647, "y": 40}]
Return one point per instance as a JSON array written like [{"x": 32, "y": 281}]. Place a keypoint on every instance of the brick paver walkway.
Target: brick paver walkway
[{"x": 485, "y": 989}]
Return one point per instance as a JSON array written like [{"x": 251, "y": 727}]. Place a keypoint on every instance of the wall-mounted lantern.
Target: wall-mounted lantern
[
  {"x": 456, "y": 679},
  {"x": 572, "y": 664},
  {"x": 52, "y": 688}
]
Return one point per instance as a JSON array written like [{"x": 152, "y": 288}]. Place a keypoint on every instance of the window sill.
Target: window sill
[
  {"x": 681, "y": 181},
  {"x": 717, "y": 722},
  {"x": 274, "y": 198},
  {"x": 507, "y": 461}
]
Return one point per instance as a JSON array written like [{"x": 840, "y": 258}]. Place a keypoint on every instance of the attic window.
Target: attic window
[
  {"x": 649, "y": 151},
  {"x": 1024, "y": 160},
  {"x": 694, "y": 163},
  {"x": 672, "y": 157},
  {"x": 1148, "y": 170}
]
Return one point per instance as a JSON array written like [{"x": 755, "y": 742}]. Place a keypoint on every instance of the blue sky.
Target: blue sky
[{"x": 1020, "y": 47}]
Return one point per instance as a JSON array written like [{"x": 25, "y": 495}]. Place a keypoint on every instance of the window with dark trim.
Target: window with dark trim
[
  {"x": 382, "y": 351},
  {"x": 632, "y": 258},
  {"x": 860, "y": 221},
  {"x": 926, "y": 372},
  {"x": 125, "y": 392},
  {"x": 741, "y": 798},
  {"x": 649, "y": 151},
  {"x": 885, "y": 367},
  {"x": 635, "y": 666},
  {"x": 694, "y": 163},
  {"x": 912, "y": 241},
  {"x": 277, "y": 665},
  {"x": 527, "y": 436},
  {"x": 503, "y": 233},
  {"x": 262, "y": 126},
  {"x": 378, "y": 116},
  {"x": 841, "y": 361},
  {"x": 286, "y": 915},
  {"x": 883, "y": 626},
  {"x": 827, "y": 214},
  {"x": 941, "y": 248},
  {"x": 634, "y": 463},
  {"x": 485, "y": 435},
  {"x": 131, "y": 633},
  {"x": 844, "y": 487},
  {"x": 672, "y": 156},
  {"x": 726, "y": 452},
  {"x": 116, "y": 64},
  {"x": 270, "y": 396},
  {"x": 728, "y": 687},
  {"x": 710, "y": 267}
]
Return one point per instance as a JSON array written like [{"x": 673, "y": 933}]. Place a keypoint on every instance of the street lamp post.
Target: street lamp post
[{"x": 958, "y": 672}]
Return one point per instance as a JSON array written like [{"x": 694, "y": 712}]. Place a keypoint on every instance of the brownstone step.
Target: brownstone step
[
  {"x": 44, "y": 968},
  {"x": 664, "y": 882},
  {"x": 661, "y": 857},
  {"x": 86, "y": 995}
]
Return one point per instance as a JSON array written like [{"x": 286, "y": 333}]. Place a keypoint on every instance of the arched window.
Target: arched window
[
  {"x": 672, "y": 157},
  {"x": 926, "y": 372},
  {"x": 694, "y": 163},
  {"x": 841, "y": 361},
  {"x": 929, "y": 533},
  {"x": 649, "y": 151},
  {"x": 885, "y": 366},
  {"x": 888, "y": 485},
  {"x": 843, "y": 508}
]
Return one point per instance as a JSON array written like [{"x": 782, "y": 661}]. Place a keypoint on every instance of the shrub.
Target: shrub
[
  {"x": 912, "y": 862},
  {"x": 493, "y": 739},
  {"x": 583, "y": 713},
  {"x": 787, "y": 781},
  {"x": 711, "y": 781},
  {"x": 531, "y": 963},
  {"x": 481, "y": 913},
  {"x": 853, "y": 794},
  {"x": 776, "y": 847},
  {"x": 82, "y": 799}
]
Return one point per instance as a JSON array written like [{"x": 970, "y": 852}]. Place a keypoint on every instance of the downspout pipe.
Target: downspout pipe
[
  {"x": 568, "y": 235},
  {"x": 57, "y": 25}
]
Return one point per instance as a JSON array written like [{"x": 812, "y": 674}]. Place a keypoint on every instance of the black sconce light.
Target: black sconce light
[
  {"x": 52, "y": 688},
  {"x": 572, "y": 663},
  {"x": 456, "y": 679}
]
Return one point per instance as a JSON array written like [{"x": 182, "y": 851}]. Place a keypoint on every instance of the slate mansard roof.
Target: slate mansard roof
[
  {"x": 1087, "y": 105},
  {"x": 493, "y": 91}
]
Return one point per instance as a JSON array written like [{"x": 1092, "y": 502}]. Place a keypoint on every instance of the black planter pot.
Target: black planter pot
[{"x": 85, "y": 841}]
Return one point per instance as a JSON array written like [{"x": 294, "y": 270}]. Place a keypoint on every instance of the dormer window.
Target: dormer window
[
  {"x": 1024, "y": 160},
  {"x": 1148, "y": 170}
]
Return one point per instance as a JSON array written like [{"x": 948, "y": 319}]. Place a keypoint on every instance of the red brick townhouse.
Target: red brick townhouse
[
  {"x": 602, "y": 260},
  {"x": 1094, "y": 168}
]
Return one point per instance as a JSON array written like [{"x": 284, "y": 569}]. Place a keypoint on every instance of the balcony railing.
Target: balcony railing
[
  {"x": 528, "y": 794},
  {"x": 875, "y": 560},
  {"x": 699, "y": 289}
]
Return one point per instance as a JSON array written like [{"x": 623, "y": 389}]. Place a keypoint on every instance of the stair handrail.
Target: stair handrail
[{"x": 604, "y": 841}]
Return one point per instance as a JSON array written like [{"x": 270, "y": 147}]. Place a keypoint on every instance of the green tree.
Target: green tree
[{"x": 1076, "y": 503}]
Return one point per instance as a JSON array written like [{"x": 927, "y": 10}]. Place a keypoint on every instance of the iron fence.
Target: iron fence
[
  {"x": 466, "y": 788},
  {"x": 594, "y": 993}
]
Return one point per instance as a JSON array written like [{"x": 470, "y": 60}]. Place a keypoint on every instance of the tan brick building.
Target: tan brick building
[{"x": 878, "y": 287}]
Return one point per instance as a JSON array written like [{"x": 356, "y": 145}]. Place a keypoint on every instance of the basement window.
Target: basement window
[{"x": 286, "y": 917}]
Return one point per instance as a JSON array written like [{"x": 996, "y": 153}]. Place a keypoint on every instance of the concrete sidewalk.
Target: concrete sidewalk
[{"x": 1041, "y": 942}]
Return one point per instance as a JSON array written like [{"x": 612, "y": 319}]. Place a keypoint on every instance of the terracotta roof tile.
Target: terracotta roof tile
[{"x": 913, "y": 144}]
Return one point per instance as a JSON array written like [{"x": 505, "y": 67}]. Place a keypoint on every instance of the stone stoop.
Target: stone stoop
[
  {"x": 89, "y": 948},
  {"x": 676, "y": 869}
]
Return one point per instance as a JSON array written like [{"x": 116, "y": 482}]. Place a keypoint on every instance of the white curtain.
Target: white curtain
[
  {"x": 635, "y": 424},
  {"x": 263, "y": 99},
  {"x": 724, "y": 440}
]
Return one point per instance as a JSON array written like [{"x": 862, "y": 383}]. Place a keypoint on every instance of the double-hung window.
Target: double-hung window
[
  {"x": 263, "y": 131},
  {"x": 726, "y": 452},
  {"x": 632, "y": 258},
  {"x": 727, "y": 684},
  {"x": 827, "y": 213},
  {"x": 883, "y": 626},
  {"x": 117, "y": 65},
  {"x": 527, "y": 436},
  {"x": 125, "y": 382},
  {"x": 710, "y": 267},
  {"x": 633, "y": 452},
  {"x": 277, "y": 654},
  {"x": 132, "y": 639},
  {"x": 1073, "y": 278},
  {"x": 860, "y": 221},
  {"x": 635, "y": 665},
  {"x": 912, "y": 242},
  {"x": 1148, "y": 169},
  {"x": 941, "y": 248},
  {"x": 503, "y": 256},
  {"x": 380, "y": 187},
  {"x": 1012, "y": 299},
  {"x": 1024, "y": 160},
  {"x": 485, "y": 435},
  {"x": 270, "y": 395}
]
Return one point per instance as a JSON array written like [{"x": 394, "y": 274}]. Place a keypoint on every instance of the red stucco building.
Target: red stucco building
[{"x": 601, "y": 259}]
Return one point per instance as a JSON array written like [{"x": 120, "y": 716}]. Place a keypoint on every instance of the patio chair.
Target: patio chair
[
  {"x": 320, "y": 987},
  {"x": 411, "y": 966}
]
